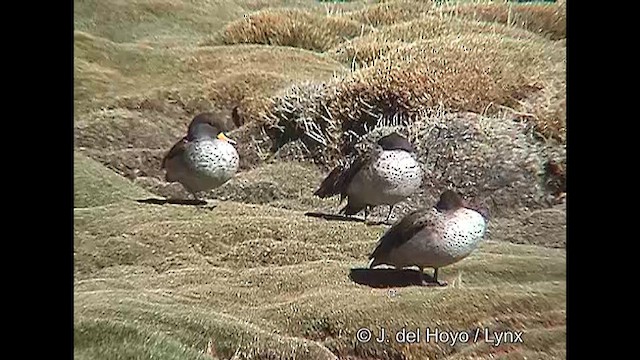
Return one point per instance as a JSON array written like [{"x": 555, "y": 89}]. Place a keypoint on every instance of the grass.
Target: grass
[
  {"x": 95, "y": 185},
  {"x": 482, "y": 73},
  {"x": 365, "y": 49},
  {"x": 391, "y": 12},
  {"x": 264, "y": 282},
  {"x": 255, "y": 278},
  {"x": 292, "y": 27},
  {"x": 459, "y": 72},
  {"x": 548, "y": 19},
  {"x": 164, "y": 22}
]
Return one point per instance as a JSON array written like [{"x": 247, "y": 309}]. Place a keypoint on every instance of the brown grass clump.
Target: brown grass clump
[
  {"x": 301, "y": 112},
  {"x": 479, "y": 73},
  {"x": 292, "y": 27},
  {"x": 548, "y": 110},
  {"x": 460, "y": 73},
  {"x": 545, "y": 19},
  {"x": 391, "y": 12},
  {"x": 363, "y": 50}
]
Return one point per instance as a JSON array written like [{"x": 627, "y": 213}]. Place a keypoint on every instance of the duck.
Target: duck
[
  {"x": 204, "y": 159},
  {"x": 385, "y": 175},
  {"x": 433, "y": 237}
]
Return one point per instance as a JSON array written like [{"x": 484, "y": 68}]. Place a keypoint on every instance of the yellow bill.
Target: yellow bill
[{"x": 224, "y": 137}]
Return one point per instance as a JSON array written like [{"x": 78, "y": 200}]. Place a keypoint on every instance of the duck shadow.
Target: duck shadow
[
  {"x": 188, "y": 202},
  {"x": 338, "y": 217},
  {"x": 334, "y": 217},
  {"x": 386, "y": 278}
]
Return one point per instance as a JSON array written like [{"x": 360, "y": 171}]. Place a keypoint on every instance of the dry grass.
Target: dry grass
[
  {"x": 95, "y": 185},
  {"x": 292, "y": 27},
  {"x": 152, "y": 114},
  {"x": 260, "y": 282},
  {"x": 391, "y": 12},
  {"x": 365, "y": 49},
  {"x": 168, "y": 23},
  {"x": 222, "y": 75},
  {"x": 255, "y": 278},
  {"x": 481, "y": 73},
  {"x": 460, "y": 73},
  {"x": 541, "y": 18}
]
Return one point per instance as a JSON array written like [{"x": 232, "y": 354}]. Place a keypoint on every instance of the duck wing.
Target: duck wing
[{"x": 338, "y": 180}]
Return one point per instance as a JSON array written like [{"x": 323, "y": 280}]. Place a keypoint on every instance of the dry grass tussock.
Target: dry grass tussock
[
  {"x": 256, "y": 282},
  {"x": 365, "y": 49},
  {"x": 292, "y": 27},
  {"x": 545, "y": 19},
  {"x": 170, "y": 22},
  {"x": 391, "y": 12},
  {"x": 479, "y": 73}
]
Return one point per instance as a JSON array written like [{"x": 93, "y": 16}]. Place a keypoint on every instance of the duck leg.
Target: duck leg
[
  {"x": 435, "y": 278},
  {"x": 434, "y": 282},
  {"x": 389, "y": 215},
  {"x": 198, "y": 201}
]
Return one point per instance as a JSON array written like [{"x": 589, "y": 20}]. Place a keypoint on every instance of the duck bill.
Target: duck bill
[{"x": 224, "y": 137}]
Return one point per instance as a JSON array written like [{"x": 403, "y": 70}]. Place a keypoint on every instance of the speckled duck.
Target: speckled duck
[
  {"x": 432, "y": 237},
  {"x": 386, "y": 175},
  {"x": 204, "y": 159}
]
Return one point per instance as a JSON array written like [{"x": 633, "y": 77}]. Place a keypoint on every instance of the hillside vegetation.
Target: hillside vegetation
[{"x": 478, "y": 87}]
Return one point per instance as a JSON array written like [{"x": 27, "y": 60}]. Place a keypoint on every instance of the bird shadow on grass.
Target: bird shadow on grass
[
  {"x": 188, "y": 202},
  {"x": 338, "y": 217},
  {"x": 385, "y": 278}
]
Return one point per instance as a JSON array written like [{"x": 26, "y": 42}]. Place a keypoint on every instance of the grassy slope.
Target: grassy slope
[
  {"x": 250, "y": 281},
  {"x": 263, "y": 281},
  {"x": 95, "y": 185}
]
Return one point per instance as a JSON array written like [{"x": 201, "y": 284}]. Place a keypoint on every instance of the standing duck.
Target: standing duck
[
  {"x": 386, "y": 175},
  {"x": 204, "y": 159},
  {"x": 432, "y": 237}
]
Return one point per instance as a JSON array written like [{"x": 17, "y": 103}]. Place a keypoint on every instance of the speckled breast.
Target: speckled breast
[
  {"x": 396, "y": 174},
  {"x": 215, "y": 160},
  {"x": 462, "y": 233}
]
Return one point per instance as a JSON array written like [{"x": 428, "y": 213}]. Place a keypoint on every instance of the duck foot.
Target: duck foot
[
  {"x": 433, "y": 283},
  {"x": 207, "y": 205},
  {"x": 378, "y": 222}
]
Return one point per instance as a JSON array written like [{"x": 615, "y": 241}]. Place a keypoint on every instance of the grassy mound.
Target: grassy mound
[
  {"x": 255, "y": 278},
  {"x": 541, "y": 18},
  {"x": 365, "y": 49},
  {"x": 391, "y": 12},
  {"x": 132, "y": 131},
  {"x": 104, "y": 69},
  {"x": 479, "y": 73},
  {"x": 202, "y": 76},
  {"x": 292, "y": 27},
  {"x": 254, "y": 281},
  {"x": 176, "y": 22},
  {"x": 95, "y": 185},
  {"x": 459, "y": 73}
]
